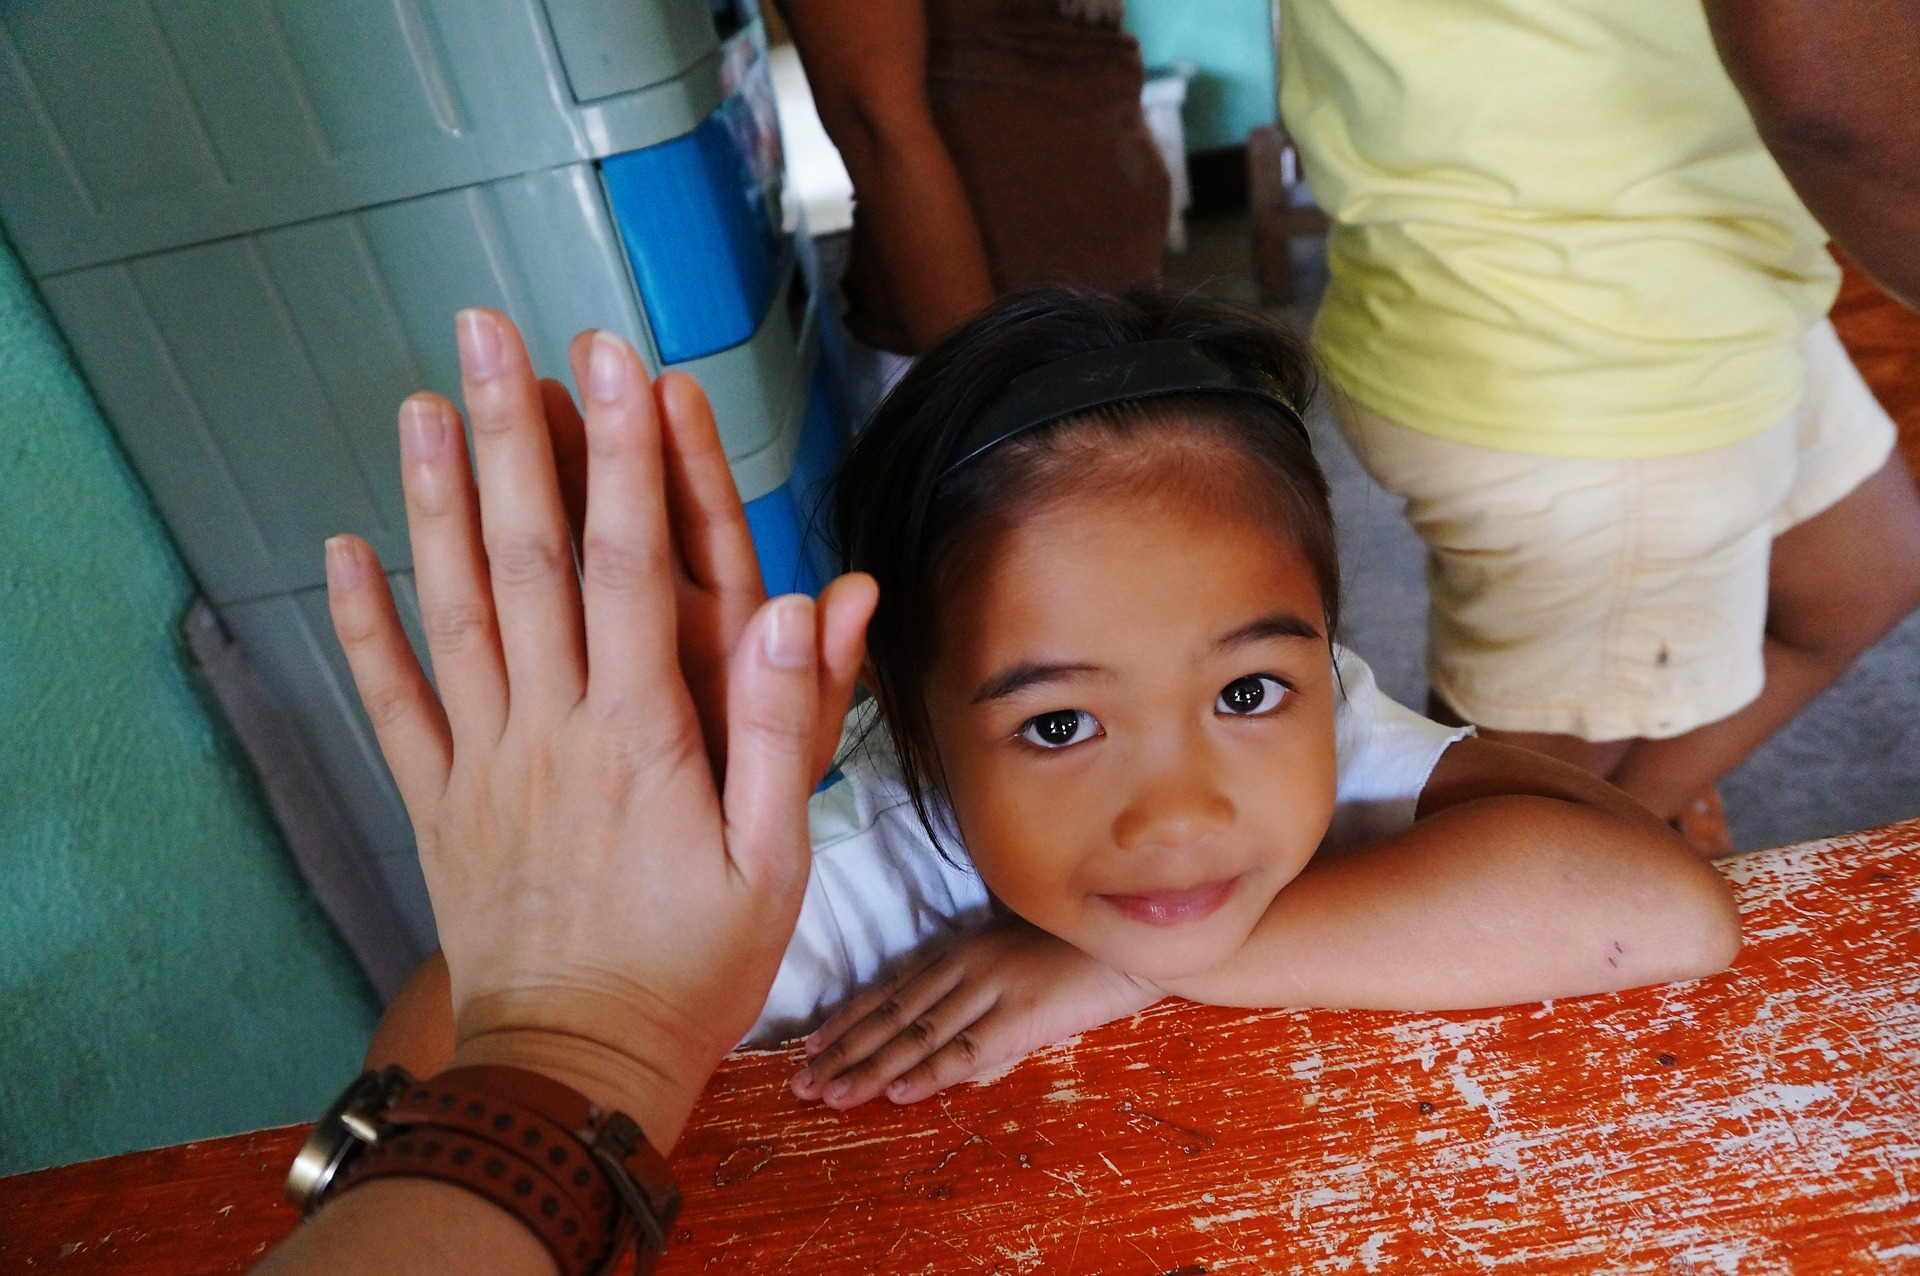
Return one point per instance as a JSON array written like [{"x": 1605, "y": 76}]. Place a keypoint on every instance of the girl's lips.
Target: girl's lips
[{"x": 1172, "y": 908}]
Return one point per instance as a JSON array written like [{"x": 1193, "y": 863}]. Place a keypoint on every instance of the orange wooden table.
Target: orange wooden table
[{"x": 1764, "y": 1120}]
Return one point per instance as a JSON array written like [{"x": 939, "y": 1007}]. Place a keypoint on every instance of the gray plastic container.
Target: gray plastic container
[{"x": 253, "y": 222}]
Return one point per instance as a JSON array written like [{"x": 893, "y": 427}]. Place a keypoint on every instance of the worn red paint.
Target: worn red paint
[
  {"x": 205, "y": 1207},
  {"x": 1765, "y": 1120}
]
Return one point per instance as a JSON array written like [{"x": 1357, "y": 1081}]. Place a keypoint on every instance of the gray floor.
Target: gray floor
[{"x": 1850, "y": 761}]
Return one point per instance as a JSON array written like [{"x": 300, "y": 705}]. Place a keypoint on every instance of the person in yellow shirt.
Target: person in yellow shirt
[{"x": 1577, "y": 321}]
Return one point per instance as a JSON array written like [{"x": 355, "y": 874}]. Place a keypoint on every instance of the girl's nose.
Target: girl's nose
[{"x": 1175, "y": 807}]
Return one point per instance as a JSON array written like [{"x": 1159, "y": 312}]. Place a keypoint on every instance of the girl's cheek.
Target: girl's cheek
[
  {"x": 1017, "y": 869},
  {"x": 999, "y": 866},
  {"x": 1025, "y": 828}
]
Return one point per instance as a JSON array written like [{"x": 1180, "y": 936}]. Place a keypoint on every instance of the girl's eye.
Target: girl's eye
[
  {"x": 1060, "y": 728},
  {"x": 1255, "y": 694}
]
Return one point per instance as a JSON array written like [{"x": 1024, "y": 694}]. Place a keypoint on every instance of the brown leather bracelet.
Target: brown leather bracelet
[{"x": 583, "y": 1180}]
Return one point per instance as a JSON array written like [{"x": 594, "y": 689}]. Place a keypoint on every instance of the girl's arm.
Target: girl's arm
[{"x": 1522, "y": 879}]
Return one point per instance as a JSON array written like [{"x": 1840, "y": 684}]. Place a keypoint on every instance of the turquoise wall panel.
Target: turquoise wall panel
[
  {"x": 164, "y": 974},
  {"x": 1229, "y": 44},
  {"x": 289, "y": 640}
]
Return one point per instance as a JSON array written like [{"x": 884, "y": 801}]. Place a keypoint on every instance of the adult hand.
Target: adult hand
[
  {"x": 720, "y": 587},
  {"x": 612, "y": 914}
]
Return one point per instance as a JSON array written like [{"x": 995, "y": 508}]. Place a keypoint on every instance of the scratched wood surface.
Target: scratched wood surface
[
  {"x": 212, "y": 1206},
  {"x": 1765, "y": 1120}
]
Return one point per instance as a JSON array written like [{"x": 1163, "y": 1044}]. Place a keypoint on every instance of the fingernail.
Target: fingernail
[
  {"x": 344, "y": 568},
  {"x": 803, "y": 1079},
  {"x": 898, "y": 1091},
  {"x": 480, "y": 344},
  {"x": 788, "y": 640},
  {"x": 814, "y": 1044},
  {"x": 423, "y": 429},
  {"x": 608, "y": 374},
  {"x": 838, "y": 1090}
]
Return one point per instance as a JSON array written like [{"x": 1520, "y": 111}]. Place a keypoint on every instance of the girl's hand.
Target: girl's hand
[
  {"x": 611, "y": 911},
  {"x": 993, "y": 997},
  {"x": 719, "y": 587}
]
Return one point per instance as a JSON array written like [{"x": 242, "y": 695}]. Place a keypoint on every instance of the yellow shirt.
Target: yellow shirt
[{"x": 1555, "y": 228}]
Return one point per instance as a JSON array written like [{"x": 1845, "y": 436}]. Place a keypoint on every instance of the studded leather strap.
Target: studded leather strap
[{"x": 533, "y": 1147}]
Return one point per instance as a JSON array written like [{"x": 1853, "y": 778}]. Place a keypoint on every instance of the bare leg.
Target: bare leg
[{"x": 1837, "y": 584}]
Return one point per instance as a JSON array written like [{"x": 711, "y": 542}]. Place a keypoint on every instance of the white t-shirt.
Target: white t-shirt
[{"x": 879, "y": 889}]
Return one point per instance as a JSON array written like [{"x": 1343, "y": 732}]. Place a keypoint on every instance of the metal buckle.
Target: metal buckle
[
  {"x": 612, "y": 1145},
  {"x": 352, "y": 1123}
]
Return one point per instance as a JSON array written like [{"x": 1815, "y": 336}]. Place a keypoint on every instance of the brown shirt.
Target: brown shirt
[{"x": 1038, "y": 102}]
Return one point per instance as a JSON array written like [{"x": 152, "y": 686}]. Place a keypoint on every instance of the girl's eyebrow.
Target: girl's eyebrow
[
  {"x": 1033, "y": 673},
  {"x": 1277, "y": 624},
  {"x": 1028, "y": 674}
]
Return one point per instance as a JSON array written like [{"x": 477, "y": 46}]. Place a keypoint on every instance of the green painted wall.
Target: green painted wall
[
  {"x": 164, "y": 973},
  {"x": 1229, "y": 44}
]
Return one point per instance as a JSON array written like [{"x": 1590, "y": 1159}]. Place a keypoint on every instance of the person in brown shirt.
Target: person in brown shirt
[{"x": 992, "y": 144}]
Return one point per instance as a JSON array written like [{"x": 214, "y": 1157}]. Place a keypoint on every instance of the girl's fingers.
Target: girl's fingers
[
  {"x": 844, "y": 608},
  {"x": 863, "y": 1003},
  {"x": 450, "y": 567},
  {"x": 871, "y": 998},
  {"x": 709, "y": 522},
  {"x": 773, "y": 702},
  {"x": 580, "y": 356},
  {"x": 891, "y": 1011},
  {"x": 523, "y": 522},
  {"x": 983, "y": 1044},
  {"x": 568, "y": 434},
  {"x": 953, "y": 1022},
  {"x": 626, "y": 553},
  {"x": 718, "y": 573},
  {"x": 406, "y": 715}
]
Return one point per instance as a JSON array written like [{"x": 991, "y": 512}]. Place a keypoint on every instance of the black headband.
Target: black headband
[{"x": 1116, "y": 374}]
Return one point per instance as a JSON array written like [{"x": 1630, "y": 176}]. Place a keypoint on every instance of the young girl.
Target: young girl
[{"x": 1113, "y": 752}]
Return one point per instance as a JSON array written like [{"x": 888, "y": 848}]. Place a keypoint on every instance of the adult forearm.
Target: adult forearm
[
  {"x": 1874, "y": 216},
  {"x": 1835, "y": 93},
  {"x": 866, "y": 61},
  {"x": 921, "y": 224},
  {"x": 1492, "y": 902},
  {"x": 395, "y": 1226}
]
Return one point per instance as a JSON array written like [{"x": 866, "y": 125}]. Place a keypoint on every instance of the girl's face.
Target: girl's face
[{"x": 1133, "y": 705}]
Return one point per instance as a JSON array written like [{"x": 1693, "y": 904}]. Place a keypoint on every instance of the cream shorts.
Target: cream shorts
[{"x": 1616, "y": 599}]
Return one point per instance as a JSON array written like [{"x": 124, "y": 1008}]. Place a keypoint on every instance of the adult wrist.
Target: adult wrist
[
  {"x": 586, "y": 1182},
  {"x": 655, "y": 1088},
  {"x": 601, "y": 1042}
]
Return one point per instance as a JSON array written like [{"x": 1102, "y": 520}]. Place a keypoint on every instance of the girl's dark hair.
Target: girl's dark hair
[{"x": 896, "y": 518}]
